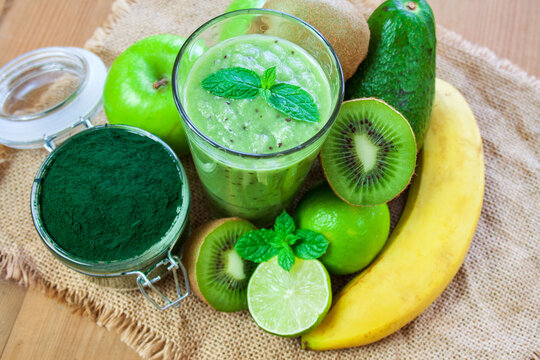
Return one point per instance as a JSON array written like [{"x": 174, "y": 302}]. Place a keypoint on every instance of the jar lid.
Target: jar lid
[{"x": 46, "y": 93}]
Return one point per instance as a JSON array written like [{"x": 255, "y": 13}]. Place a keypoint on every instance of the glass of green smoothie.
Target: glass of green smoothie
[{"x": 250, "y": 156}]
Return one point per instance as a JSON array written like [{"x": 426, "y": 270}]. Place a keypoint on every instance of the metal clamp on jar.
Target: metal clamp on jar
[{"x": 48, "y": 97}]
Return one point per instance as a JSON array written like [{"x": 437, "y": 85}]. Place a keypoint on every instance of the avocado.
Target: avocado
[{"x": 400, "y": 65}]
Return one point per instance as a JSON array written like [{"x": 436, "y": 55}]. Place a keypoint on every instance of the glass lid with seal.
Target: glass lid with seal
[{"x": 46, "y": 93}]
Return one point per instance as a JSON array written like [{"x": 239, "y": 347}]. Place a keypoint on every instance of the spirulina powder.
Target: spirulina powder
[{"x": 109, "y": 194}]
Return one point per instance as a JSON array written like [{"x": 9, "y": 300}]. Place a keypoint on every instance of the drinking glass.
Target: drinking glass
[{"x": 256, "y": 187}]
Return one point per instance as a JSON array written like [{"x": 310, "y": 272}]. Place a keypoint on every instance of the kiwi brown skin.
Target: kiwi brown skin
[
  {"x": 328, "y": 179},
  {"x": 192, "y": 249},
  {"x": 338, "y": 21}
]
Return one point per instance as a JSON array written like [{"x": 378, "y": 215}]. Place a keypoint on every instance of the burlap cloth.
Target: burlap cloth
[{"x": 489, "y": 311}]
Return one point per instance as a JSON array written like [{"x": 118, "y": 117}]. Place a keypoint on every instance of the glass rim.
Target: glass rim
[
  {"x": 116, "y": 267},
  {"x": 219, "y": 146},
  {"x": 14, "y": 67}
]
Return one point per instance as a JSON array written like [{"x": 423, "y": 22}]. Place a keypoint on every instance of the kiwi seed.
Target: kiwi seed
[{"x": 370, "y": 153}]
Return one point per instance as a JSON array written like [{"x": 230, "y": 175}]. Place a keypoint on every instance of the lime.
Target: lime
[
  {"x": 355, "y": 234},
  {"x": 289, "y": 303}
]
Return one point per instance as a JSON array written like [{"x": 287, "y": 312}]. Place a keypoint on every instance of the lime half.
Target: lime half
[{"x": 289, "y": 303}]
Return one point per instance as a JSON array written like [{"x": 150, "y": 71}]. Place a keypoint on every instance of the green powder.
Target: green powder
[{"x": 110, "y": 194}]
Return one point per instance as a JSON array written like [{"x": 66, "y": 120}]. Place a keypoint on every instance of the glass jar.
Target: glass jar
[{"x": 50, "y": 96}]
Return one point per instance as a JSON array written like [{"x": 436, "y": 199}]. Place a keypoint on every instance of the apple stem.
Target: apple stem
[
  {"x": 156, "y": 85},
  {"x": 411, "y": 5}
]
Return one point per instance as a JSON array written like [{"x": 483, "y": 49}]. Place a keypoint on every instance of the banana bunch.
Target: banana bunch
[{"x": 430, "y": 241}]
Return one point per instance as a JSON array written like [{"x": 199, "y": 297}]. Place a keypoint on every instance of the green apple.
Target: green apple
[
  {"x": 239, "y": 27},
  {"x": 138, "y": 89},
  {"x": 355, "y": 234},
  {"x": 244, "y": 4}
]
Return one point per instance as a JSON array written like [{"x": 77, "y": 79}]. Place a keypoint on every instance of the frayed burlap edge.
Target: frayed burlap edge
[{"x": 141, "y": 338}]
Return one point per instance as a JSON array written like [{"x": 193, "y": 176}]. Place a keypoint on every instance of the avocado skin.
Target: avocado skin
[{"x": 400, "y": 65}]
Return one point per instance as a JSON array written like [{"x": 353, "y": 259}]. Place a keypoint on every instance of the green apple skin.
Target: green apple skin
[
  {"x": 238, "y": 28},
  {"x": 244, "y": 4},
  {"x": 355, "y": 234},
  {"x": 130, "y": 97}
]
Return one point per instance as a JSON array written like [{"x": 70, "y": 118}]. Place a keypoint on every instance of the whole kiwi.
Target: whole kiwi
[{"x": 338, "y": 21}]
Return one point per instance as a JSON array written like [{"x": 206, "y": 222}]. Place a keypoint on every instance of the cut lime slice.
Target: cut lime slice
[{"x": 289, "y": 303}]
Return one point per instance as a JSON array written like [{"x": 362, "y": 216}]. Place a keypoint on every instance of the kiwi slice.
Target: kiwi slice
[
  {"x": 370, "y": 153},
  {"x": 217, "y": 274}
]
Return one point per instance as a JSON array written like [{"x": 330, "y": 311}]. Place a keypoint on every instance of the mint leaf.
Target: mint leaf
[
  {"x": 293, "y": 101},
  {"x": 257, "y": 245},
  {"x": 233, "y": 83},
  {"x": 268, "y": 78},
  {"x": 284, "y": 224},
  {"x": 265, "y": 93},
  {"x": 286, "y": 258},
  {"x": 311, "y": 244}
]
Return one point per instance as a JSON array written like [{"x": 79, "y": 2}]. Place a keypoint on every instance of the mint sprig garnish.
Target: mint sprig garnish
[
  {"x": 242, "y": 83},
  {"x": 284, "y": 240}
]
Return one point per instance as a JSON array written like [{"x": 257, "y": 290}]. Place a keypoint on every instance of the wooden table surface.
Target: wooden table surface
[{"x": 33, "y": 326}]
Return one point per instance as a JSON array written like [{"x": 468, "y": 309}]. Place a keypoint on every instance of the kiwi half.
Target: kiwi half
[
  {"x": 217, "y": 274},
  {"x": 370, "y": 153}
]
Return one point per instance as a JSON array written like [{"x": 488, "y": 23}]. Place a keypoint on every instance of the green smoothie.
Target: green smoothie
[{"x": 256, "y": 188}]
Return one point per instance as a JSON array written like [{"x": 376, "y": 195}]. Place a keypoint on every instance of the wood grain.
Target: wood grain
[
  {"x": 12, "y": 297},
  {"x": 510, "y": 28},
  {"x": 30, "y": 24},
  {"x": 3, "y": 6},
  {"x": 35, "y": 327},
  {"x": 47, "y": 330}
]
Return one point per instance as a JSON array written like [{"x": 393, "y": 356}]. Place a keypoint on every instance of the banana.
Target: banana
[{"x": 429, "y": 243}]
